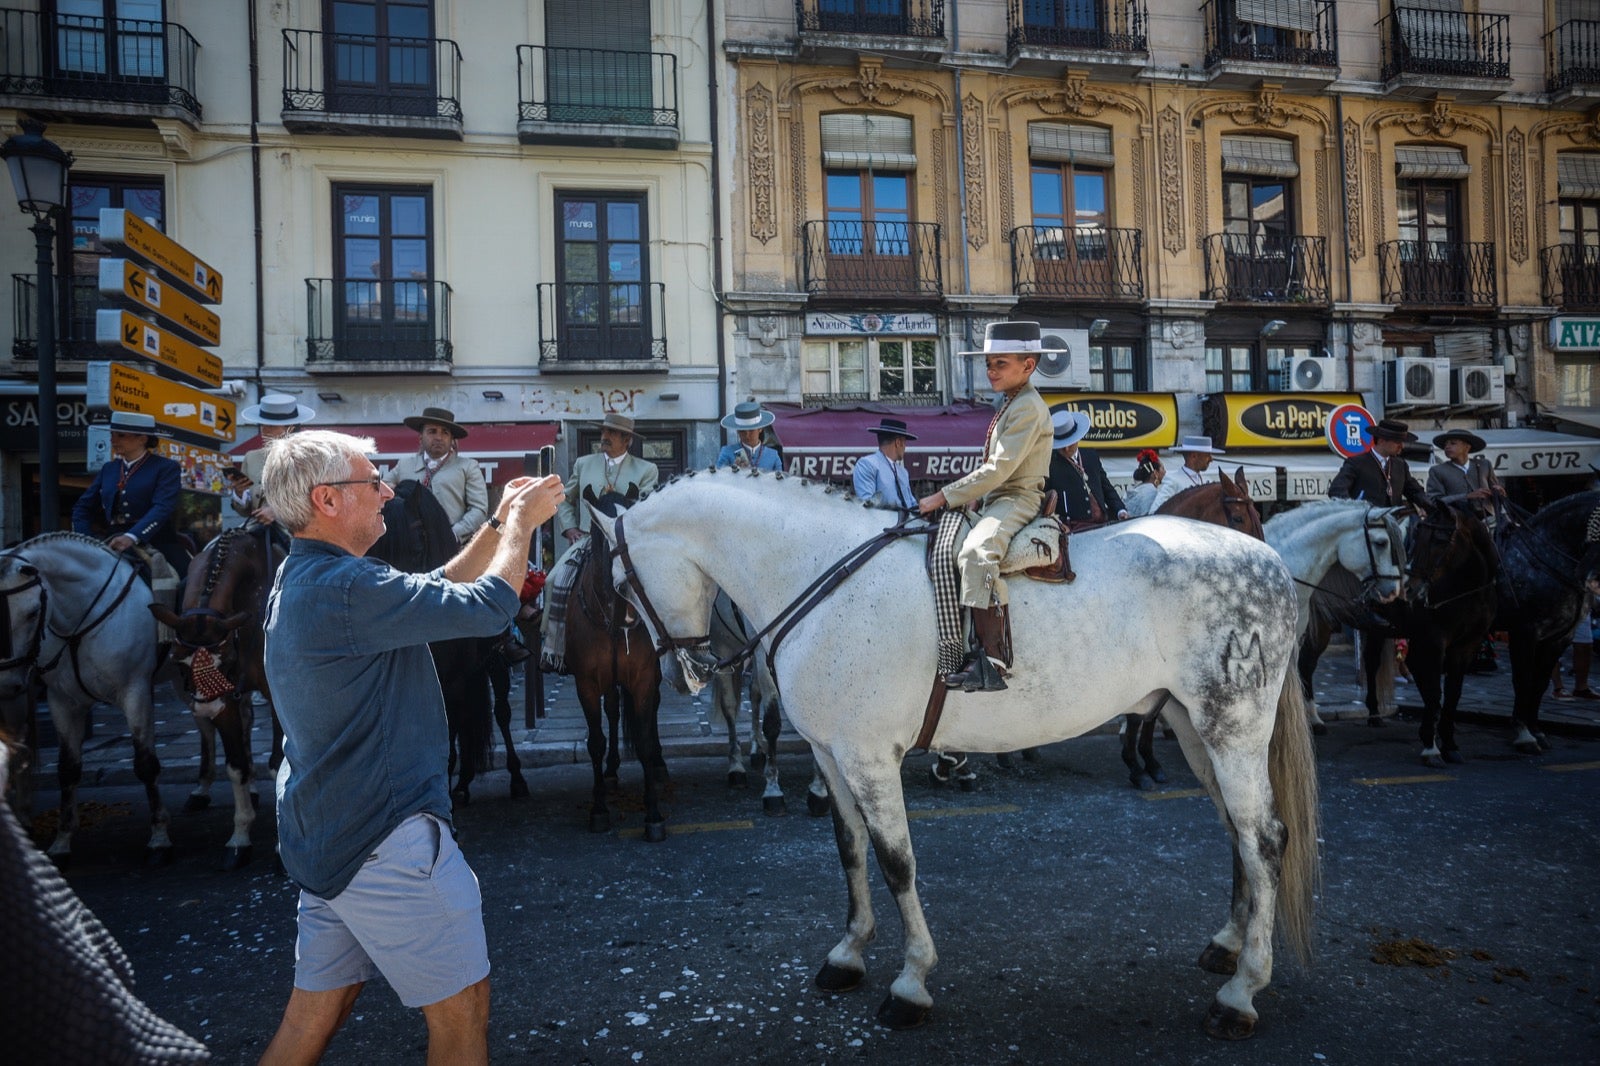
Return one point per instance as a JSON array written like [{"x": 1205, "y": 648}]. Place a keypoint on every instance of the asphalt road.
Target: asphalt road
[{"x": 1458, "y": 919}]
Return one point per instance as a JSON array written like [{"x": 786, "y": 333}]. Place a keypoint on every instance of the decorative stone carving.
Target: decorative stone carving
[
  {"x": 1197, "y": 182},
  {"x": 870, "y": 86},
  {"x": 1169, "y": 139},
  {"x": 1141, "y": 165},
  {"x": 1441, "y": 120},
  {"x": 1264, "y": 110},
  {"x": 1517, "y": 194},
  {"x": 797, "y": 172},
  {"x": 1007, "y": 184},
  {"x": 1355, "y": 240},
  {"x": 1180, "y": 333},
  {"x": 1521, "y": 337},
  {"x": 761, "y": 172},
  {"x": 767, "y": 330},
  {"x": 1365, "y": 336},
  {"x": 1489, "y": 212},
  {"x": 1324, "y": 195},
  {"x": 972, "y": 157},
  {"x": 1375, "y": 177},
  {"x": 1073, "y": 98},
  {"x": 941, "y": 212}
]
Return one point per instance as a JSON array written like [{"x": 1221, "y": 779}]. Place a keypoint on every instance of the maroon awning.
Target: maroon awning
[
  {"x": 492, "y": 444},
  {"x": 825, "y": 442}
]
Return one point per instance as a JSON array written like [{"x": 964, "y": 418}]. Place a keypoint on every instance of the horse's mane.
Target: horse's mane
[
  {"x": 1308, "y": 512},
  {"x": 67, "y": 536},
  {"x": 428, "y": 541}
]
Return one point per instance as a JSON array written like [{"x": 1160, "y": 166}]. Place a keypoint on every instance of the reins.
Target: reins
[{"x": 73, "y": 639}]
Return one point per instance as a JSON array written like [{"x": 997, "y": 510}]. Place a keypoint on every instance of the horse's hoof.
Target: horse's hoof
[
  {"x": 599, "y": 822},
  {"x": 897, "y": 1013},
  {"x": 933, "y": 775},
  {"x": 834, "y": 978},
  {"x": 816, "y": 805},
  {"x": 1542, "y": 741},
  {"x": 1004, "y": 761},
  {"x": 237, "y": 858},
  {"x": 1374, "y": 722},
  {"x": 1032, "y": 754},
  {"x": 1319, "y": 729},
  {"x": 1528, "y": 747},
  {"x": 1160, "y": 776},
  {"x": 1454, "y": 757},
  {"x": 968, "y": 783},
  {"x": 519, "y": 788},
  {"x": 1143, "y": 782},
  {"x": 613, "y": 782},
  {"x": 1432, "y": 761},
  {"x": 158, "y": 856},
  {"x": 197, "y": 801},
  {"x": 1225, "y": 1023},
  {"x": 1218, "y": 960},
  {"x": 772, "y": 806},
  {"x": 758, "y": 761},
  {"x": 737, "y": 779},
  {"x": 655, "y": 832}
]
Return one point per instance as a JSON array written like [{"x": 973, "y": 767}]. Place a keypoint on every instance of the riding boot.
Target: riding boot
[
  {"x": 977, "y": 674},
  {"x": 513, "y": 648}
]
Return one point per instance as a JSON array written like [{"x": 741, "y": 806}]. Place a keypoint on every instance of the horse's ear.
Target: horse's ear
[
  {"x": 1222, "y": 476},
  {"x": 1240, "y": 482},
  {"x": 589, "y": 497},
  {"x": 633, "y": 493},
  {"x": 235, "y": 620}
]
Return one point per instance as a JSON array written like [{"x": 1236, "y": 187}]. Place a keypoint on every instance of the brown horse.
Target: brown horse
[
  {"x": 218, "y": 645},
  {"x": 1225, "y": 502},
  {"x": 613, "y": 661}
]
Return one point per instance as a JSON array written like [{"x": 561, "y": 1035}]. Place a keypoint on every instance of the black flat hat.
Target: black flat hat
[
  {"x": 1393, "y": 429},
  {"x": 1474, "y": 442},
  {"x": 892, "y": 427}
]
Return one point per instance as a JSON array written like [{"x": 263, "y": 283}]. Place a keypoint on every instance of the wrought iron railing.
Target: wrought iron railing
[
  {"x": 595, "y": 85},
  {"x": 1454, "y": 44},
  {"x": 873, "y": 259},
  {"x": 1437, "y": 273},
  {"x": 372, "y": 320},
  {"x": 1572, "y": 55},
  {"x": 1570, "y": 277},
  {"x": 1098, "y": 25},
  {"x": 1302, "y": 32},
  {"x": 886, "y": 18},
  {"x": 78, "y": 298},
  {"x": 591, "y": 322},
  {"x": 326, "y": 72},
  {"x": 1266, "y": 268},
  {"x": 1053, "y": 262},
  {"x": 76, "y": 57}
]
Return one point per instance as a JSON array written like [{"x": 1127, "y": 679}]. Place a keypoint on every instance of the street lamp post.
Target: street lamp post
[{"x": 39, "y": 171}]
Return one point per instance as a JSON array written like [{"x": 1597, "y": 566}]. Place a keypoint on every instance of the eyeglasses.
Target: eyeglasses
[{"x": 375, "y": 482}]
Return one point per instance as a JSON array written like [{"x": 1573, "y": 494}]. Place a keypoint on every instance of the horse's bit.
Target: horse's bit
[{"x": 1368, "y": 526}]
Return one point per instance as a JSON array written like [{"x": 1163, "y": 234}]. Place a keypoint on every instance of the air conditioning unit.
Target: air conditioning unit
[
  {"x": 1067, "y": 369},
  {"x": 1478, "y": 386},
  {"x": 1308, "y": 373},
  {"x": 1411, "y": 381}
]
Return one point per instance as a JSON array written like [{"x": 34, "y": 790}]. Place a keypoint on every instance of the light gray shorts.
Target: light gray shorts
[{"x": 413, "y": 913}]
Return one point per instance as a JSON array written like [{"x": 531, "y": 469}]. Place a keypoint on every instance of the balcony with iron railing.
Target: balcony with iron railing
[
  {"x": 1052, "y": 263},
  {"x": 1425, "y": 51},
  {"x": 595, "y": 96},
  {"x": 366, "y": 325},
  {"x": 848, "y": 260},
  {"x": 841, "y": 30},
  {"x": 1107, "y": 37},
  {"x": 360, "y": 83},
  {"x": 1266, "y": 268},
  {"x": 78, "y": 298},
  {"x": 855, "y": 399},
  {"x": 96, "y": 68},
  {"x": 1293, "y": 43},
  {"x": 1570, "y": 277},
  {"x": 1437, "y": 273},
  {"x": 1572, "y": 60},
  {"x": 594, "y": 327}
]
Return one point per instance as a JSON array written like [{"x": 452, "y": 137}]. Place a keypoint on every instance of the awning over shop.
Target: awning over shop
[
  {"x": 1539, "y": 452},
  {"x": 492, "y": 444},
  {"x": 825, "y": 442}
]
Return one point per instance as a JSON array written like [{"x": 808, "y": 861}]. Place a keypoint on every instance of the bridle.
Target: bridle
[
  {"x": 664, "y": 643},
  {"x": 1371, "y": 522},
  {"x": 1240, "y": 519},
  {"x": 71, "y": 640},
  {"x": 37, "y": 637}
]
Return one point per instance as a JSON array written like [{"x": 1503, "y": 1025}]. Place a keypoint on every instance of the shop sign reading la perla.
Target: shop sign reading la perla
[{"x": 828, "y": 324}]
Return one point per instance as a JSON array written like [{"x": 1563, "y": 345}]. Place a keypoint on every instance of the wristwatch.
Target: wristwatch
[{"x": 495, "y": 524}]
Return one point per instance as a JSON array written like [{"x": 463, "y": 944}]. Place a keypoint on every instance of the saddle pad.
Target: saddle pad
[{"x": 1037, "y": 544}]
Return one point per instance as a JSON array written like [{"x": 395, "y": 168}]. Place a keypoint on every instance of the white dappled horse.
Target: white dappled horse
[
  {"x": 78, "y": 613},
  {"x": 1212, "y": 613}
]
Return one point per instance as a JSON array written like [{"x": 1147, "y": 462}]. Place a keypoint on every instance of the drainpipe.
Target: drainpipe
[
  {"x": 961, "y": 195},
  {"x": 712, "y": 90},
  {"x": 1344, "y": 257},
  {"x": 255, "y": 187}
]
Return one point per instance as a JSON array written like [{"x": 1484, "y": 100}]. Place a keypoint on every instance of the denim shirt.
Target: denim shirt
[{"x": 354, "y": 686}]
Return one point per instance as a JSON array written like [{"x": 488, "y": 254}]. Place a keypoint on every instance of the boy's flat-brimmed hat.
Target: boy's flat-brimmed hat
[{"x": 1013, "y": 338}]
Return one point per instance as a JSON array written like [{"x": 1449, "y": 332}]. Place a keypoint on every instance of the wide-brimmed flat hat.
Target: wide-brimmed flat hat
[
  {"x": 1393, "y": 429},
  {"x": 748, "y": 415},
  {"x": 277, "y": 409},
  {"x": 1196, "y": 444},
  {"x": 1070, "y": 427},
  {"x": 135, "y": 422},
  {"x": 892, "y": 427},
  {"x": 1475, "y": 443},
  {"x": 1013, "y": 338},
  {"x": 620, "y": 423},
  {"x": 441, "y": 415}
]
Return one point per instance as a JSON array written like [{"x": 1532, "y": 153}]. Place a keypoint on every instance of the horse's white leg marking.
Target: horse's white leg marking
[
  {"x": 244, "y": 812},
  {"x": 1259, "y": 842},
  {"x": 850, "y": 833},
  {"x": 725, "y": 701}
]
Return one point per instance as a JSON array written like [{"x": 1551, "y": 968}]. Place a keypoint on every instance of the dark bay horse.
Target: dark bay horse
[
  {"x": 1548, "y": 561},
  {"x": 417, "y": 539},
  {"x": 218, "y": 644},
  {"x": 613, "y": 662}
]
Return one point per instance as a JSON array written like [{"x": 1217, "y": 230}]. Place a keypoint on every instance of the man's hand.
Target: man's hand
[
  {"x": 121, "y": 542},
  {"x": 529, "y": 502},
  {"x": 1479, "y": 494},
  {"x": 930, "y": 504},
  {"x": 265, "y": 514},
  {"x": 572, "y": 534}
]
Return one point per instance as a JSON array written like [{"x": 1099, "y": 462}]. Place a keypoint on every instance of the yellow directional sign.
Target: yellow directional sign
[
  {"x": 136, "y": 285},
  {"x": 135, "y": 237},
  {"x": 189, "y": 412},
  {"x": 132, "y": 335}
]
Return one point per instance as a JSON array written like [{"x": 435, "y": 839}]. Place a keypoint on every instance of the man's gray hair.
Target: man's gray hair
[{"x": 300, "y": 462}]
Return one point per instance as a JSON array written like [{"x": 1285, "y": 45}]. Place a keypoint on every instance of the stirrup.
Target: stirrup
[{"x": 979, "y": 674}]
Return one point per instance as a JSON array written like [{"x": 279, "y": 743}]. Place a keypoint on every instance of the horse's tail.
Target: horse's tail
[
  {"x": 1292, "y": 768},
  {"x": 470, "y": 702}
]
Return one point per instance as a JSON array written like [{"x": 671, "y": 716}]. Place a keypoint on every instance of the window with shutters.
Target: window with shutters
[
  {"x": 1258, "y": 257},
  {"x": 1072, "y": 249},
  {"x": 1444, "y": 38},
  {"x": 1575, "y": 262},
  {"x": 891, "y": 369},
  {"x": 598, "y": 66}
]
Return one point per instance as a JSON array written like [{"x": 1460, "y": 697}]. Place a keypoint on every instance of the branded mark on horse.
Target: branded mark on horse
[
  {"x": 218, "y": 644},
  {"x": 77, "y": 615},
  {"x": 1185, "y": 589}
]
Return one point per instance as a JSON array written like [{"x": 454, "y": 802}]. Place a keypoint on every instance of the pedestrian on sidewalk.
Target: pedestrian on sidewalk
[
  {"x": 1582, "y": 656},
  {"x": 364, "y": 807}
]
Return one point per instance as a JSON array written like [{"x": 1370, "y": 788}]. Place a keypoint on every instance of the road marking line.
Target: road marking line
[
  {"x": 952, "y": 812},
  {"x": 1415, "y": 779},
  {"x": 1175, "y": 794},
  {"x": 1569, "y": 767},
  {"x": 691, "y": 827}
]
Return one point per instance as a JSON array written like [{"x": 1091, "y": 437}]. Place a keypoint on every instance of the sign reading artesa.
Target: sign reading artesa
[
  {"x": 1121, "y": 419},
  {"x": 1272, "y": 419}
]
